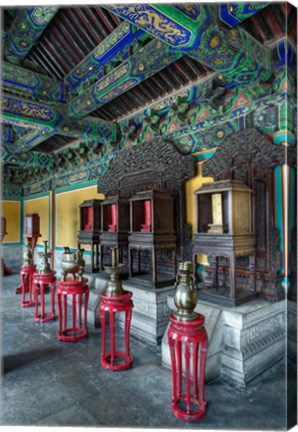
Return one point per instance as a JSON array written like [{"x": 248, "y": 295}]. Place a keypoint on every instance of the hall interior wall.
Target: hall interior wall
[
  {"x": 12, "y": 210},
  {"x": 59, "y": 212}
]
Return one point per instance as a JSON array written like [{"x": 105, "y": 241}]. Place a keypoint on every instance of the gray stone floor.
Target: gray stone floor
[{"x": 50, "y": 383}]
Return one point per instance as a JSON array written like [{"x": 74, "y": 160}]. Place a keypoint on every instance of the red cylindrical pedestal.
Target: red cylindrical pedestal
[
  {"x": 40, "y": 282},
  {"x": 116, "y": 360},
  {"x": 77, "y": 290},
  {"x": 187, "y": 404},
  {"x": 26, "y": 285}
]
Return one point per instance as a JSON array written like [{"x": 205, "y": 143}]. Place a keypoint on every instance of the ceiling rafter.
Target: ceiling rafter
[
  {"x": 26, "y": 29},
  {"x": 22, "y": 112}
]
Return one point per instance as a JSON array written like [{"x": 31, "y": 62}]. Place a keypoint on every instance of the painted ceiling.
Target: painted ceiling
[{"x": 80, "y": 83}]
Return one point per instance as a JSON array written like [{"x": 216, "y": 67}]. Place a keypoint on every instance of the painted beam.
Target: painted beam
[
  {"x": 196, "y": 30},
  {"x": 108, "y": 49},
  {"x": 150, "y": 59},
  {"x": 180, "y": 27},
  {"x": 27, "y": 83},
  {"x": 6, "y": 134},
  {"x": 236, "y": 56},
  {"x": 48, "y": 118},
  {"x": 234, "y": 13},
  {"x": 30, "y": 140},
  {"x": 25, "y": 30},
  {"x": 28, "y": 160}
]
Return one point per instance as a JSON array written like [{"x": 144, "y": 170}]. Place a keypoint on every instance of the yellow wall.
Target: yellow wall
[
  {"x": 67, "y": 214},
  {"x": 191, "y": 185},
  {"x": 41, "y": 206},
  {"x": 11, "y": 210}
]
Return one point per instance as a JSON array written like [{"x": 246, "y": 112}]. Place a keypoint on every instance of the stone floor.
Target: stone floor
[{"x": 50, "y": 383}]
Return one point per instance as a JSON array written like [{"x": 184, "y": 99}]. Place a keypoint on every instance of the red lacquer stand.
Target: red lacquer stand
[
  {"x": 77, "y": 290},
  {"x": 41, "y": 281},
  {"x": 116, "y": 360},
  {"x": 27, "y": 284},
  {"x": 186, "y": 404}
]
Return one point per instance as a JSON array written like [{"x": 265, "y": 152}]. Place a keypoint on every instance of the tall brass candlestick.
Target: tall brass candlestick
[{"x": 114, "y": 285}]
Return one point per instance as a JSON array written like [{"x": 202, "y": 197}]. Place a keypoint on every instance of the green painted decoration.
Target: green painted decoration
[
  {"x": 23, "y": 82},
  {"x": 53, "y": 119},
  {"x": 234, "y": 13},
  {"x": 26, "y": 28},
  {"x": 234, "y": 55},
  {"x": 107, "y": 50},
  {"x": 31, "y": 140},
  {"x": 152, "y": 58},
  {"x": 153, "y": 21}
]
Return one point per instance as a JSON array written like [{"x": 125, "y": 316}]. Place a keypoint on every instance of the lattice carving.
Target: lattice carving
[
  {"x": 260, "y": 225},
  {"x": 155, "y": 165},
  {"x": 244, "y": 149},
  {"x": 151, "y": 164},
  {"x": 274, "y": 251},
  {"x": 187, "y": 250},
  {"x": 248, "y": 156}
]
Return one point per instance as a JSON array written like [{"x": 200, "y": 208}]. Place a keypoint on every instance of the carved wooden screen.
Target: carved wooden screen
[
  {"x": 156, "y": 165},
  {"x": 249, "y": 157}
]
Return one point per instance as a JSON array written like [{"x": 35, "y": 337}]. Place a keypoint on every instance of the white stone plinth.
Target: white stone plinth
[
  {"x": 150, "y": 313},
  {"x": 292, "y": 330},
  {"x": 243, "y": 341}
]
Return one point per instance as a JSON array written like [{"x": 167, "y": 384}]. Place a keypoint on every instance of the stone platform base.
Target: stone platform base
[
  {"x": 150, "y": 312},
  {"x": 292, "y": 330},
  {"x": 243, "y": 341}
]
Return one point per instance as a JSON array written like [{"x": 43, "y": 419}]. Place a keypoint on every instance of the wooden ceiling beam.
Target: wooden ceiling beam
[
  {"x": 26, "y": 29},
  {"x": 24, "y": 82},
  {"x": 27, "y": 113},
  {"x": 150, "y": 59}
]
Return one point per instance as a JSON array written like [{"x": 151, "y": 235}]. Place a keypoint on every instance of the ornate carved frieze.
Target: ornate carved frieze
[
  {"x": 157, "y": 163},
  {"x": 249, "y": 157},
  {"x": 239, "y": 152}
]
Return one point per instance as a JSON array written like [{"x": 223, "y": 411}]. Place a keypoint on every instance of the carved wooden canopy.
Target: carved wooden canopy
[
  {"x": 244, "y": 149},
  {"x": 156, "y": 165}
]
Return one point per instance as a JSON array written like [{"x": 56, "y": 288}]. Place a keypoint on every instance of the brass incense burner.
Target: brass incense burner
[
  {"x": 185, "y": 297},
  {"x": 45, "y": 266},
  {"x": 114, "y": 285},
  {"x": 28, "y": 257},
  {"x": 73, "y": 263}
]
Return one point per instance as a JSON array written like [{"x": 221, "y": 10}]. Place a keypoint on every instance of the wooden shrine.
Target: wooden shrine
[
  {"x": 114, "y": 231},
  {"x": 151, "y": 176},
  {"x": 90, "y": 226},
  {"x": 152, "y": 234},
  {"x": 224, "y": 231},
  {"x": 32, "y": 229},
  {"x": 234, "y": 222}
]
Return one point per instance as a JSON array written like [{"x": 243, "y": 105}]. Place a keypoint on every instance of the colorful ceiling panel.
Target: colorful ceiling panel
[{"x": 125, "y": 72}]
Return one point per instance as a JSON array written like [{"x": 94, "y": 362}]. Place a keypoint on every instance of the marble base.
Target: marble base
[
  {"x": 150, "y": 313},
  {"x": 292, "y": 330},
  {"x": 243, "y": 341}
]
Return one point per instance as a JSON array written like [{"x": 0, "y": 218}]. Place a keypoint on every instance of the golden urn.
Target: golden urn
[
  {"x": 28, "y": 257},
  {"x": 185, "y": 297},
  {"x": 114, "y": 285},
  {"x": 73, "y": 263}
]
